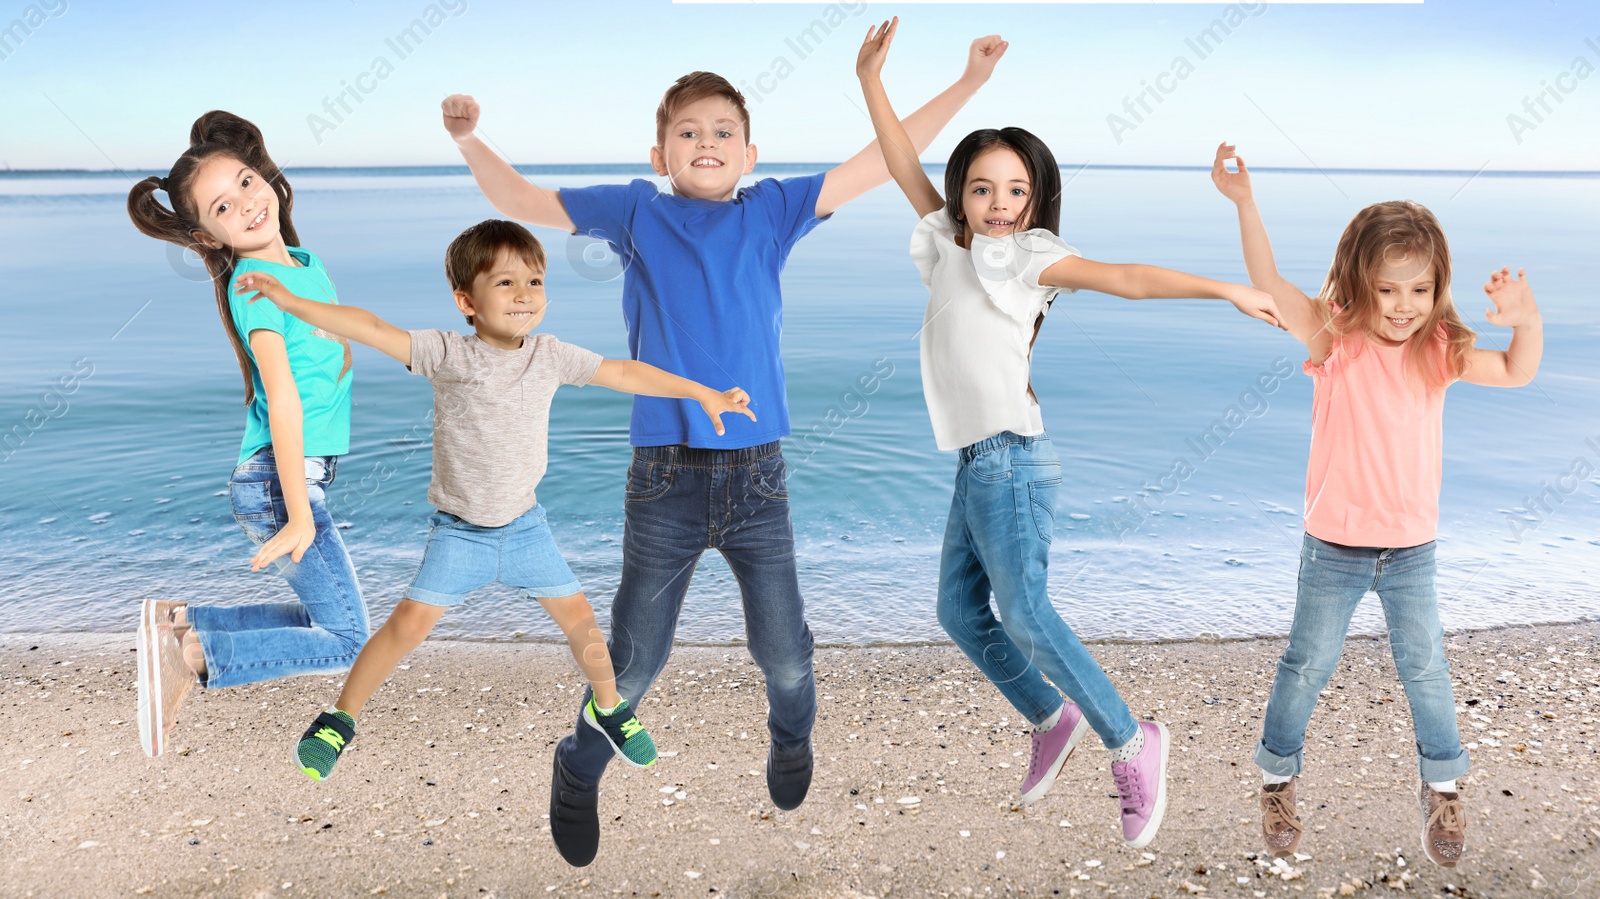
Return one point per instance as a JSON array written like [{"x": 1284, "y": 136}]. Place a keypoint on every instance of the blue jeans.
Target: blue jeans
[
  {"x": 322, "y": 632},
  {"x": 1333, "y": 579},
  {"x": 1002, "y": 520},
  {"x": 682, "y": 501}
]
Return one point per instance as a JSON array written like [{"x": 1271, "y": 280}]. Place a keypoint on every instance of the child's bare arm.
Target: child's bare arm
[
  {"x": 1299, "y": 313},
  {"x": 867, "y": 169},
  {"x": 897, "y": 150},
  {"x": 286, "y": 419},
  {"x": 1149, "y": 282},
  {"x": 507, "y": 190},
  {"x": 1513, "y": 308},
  {"x": 348, "y": 322},
  {"x": 629, "y": 376}
]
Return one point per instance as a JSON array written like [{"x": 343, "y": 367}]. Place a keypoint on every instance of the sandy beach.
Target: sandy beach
[{"x": 445, "y": 790}]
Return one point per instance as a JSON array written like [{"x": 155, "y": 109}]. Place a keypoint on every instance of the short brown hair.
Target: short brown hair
[
  {"x": 697, "y": 86},
  {"x": 476, "y": 249}
]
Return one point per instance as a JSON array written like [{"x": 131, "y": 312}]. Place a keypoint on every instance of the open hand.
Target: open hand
[
  {"x": 265, "y": 286},
  {"x": 734, "y": 400},
  {"x": 460, "y": 115},
  {"x": 1234, "y": 185},
  {"x": 1256, "y": 304},
  {"x": 981, "y": 58},
  {"x": 293, "y": 538},
  {"x": 1512, "y": 299},
  {"x": 869, "y": 62}
]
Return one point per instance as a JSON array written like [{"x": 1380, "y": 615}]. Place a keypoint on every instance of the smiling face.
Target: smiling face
[
  {"x": 506, "y": 301},
  {"x": 994, "y": 198},
  {"x": 703, "y": 150},
  {"x": 1406, "y": 286},
  {"x": 235, "y": 207}
]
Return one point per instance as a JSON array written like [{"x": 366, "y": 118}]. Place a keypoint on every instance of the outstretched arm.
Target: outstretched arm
[
  {"x": 348, "y": 322},
  {"x": 1513, "y": 308},
  {"x": 629, "y": 376},
  {"x": 1300, "y": 315},
  {"x": 507, "y": 190},
  {"x": 898, "y": 153},
  {"x": 867, "y": 169},
  {"x": 1149, "y": 282}
]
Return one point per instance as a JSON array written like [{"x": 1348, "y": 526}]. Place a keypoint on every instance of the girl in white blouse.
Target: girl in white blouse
[{"x": 992, "y": 261}]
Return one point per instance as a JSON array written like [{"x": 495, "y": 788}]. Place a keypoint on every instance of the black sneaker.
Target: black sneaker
[
  {"x": 789, "y": 775},
  {"x": 574, "y": 817}
]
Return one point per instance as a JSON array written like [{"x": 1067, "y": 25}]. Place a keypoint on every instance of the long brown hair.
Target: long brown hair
[
  {"x": 1381, "y": 233},
  {"x": 216, "y": 133}
]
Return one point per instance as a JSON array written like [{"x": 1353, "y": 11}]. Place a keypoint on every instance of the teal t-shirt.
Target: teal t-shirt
[{"x": 319, "y": 360}]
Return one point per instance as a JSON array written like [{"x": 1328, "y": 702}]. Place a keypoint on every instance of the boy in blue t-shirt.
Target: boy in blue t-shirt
[{"x": 701, "y": 299}]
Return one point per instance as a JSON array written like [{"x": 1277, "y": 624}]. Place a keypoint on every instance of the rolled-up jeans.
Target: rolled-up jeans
[
  {"x": 1333, "y": 579},
  {"x": 325, "y": 629}
]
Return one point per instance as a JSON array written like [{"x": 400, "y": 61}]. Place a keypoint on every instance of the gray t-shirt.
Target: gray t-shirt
[{"x": 491, "y": 418}]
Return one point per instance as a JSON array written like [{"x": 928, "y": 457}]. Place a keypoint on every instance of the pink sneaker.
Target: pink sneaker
[
  {"x": 1050, "y": 752},
  {"x": 1143, "y": 785}
]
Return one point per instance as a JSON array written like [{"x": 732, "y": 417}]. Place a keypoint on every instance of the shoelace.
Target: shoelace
[
  {"x": 1033, "y": 754},
  {"x": 631, "y": 727},
  {"x": 1280, "y": 814},
  {"x": 1450, "y": 817},
  {"x": 1130, "y": 786}
]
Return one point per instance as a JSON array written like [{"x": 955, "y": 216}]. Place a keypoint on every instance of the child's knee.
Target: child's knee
[{"x": 412, "y": 621}]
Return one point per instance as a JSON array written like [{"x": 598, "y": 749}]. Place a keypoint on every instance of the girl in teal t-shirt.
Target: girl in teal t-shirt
[{"x": 230, "y": 204}]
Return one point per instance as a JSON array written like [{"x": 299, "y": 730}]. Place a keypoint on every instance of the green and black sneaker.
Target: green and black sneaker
[
  {"x": 626, "y": 734},
  {"x": 322, "y": 742}
]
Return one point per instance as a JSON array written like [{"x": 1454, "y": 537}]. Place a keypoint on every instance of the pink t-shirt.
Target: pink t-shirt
[{"x": 1377, "y": 449}]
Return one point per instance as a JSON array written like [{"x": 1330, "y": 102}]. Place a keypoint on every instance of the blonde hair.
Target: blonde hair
[{"x": 1382, "y": 233}]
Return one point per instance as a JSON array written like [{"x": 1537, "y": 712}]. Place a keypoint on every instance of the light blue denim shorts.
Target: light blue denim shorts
[{"x": 461, "y": 557}]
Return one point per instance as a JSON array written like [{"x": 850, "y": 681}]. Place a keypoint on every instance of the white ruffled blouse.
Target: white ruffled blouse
[{"x": 982, "y": 305}]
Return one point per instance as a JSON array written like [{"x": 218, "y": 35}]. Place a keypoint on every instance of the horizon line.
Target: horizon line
[{"x": 644, "y": 168}]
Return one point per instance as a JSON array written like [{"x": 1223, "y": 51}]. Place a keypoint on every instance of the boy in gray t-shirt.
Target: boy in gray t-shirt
[{"x": 491, "y": 414}]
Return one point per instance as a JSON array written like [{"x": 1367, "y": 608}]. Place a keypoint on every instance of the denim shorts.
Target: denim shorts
[{"x": 461, "y": 557}]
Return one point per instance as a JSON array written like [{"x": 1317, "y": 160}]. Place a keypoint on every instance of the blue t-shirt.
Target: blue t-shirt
[
  {"x": 700, "y": 296},
  {"x": 319, "y": 360}
]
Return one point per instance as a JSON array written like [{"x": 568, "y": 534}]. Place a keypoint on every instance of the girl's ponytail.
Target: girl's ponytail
[{"x": 217, "y": 133}]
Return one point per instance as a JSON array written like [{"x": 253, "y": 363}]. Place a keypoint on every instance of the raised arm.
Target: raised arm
[
  {"x": 348, "y": 322},
  {"x": 1149, "y": 282},
  {"x": 507, "y": 190},
  {"x": 868, "y": 169},
  {"x": 629, "y": 376},
  {"x": 895, "y": 145},
  {"x": 1300, "y": 314},
  {"x": 1514, "y": 308}
]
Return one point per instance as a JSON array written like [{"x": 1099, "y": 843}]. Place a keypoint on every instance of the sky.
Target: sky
[{"x": 1443, "y": 84}]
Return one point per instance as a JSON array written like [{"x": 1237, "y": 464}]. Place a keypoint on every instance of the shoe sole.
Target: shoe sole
[
  {"x": 615, "y": 749},
  {"x": 148, "y": 694},
  {"x": 1049, "y": 780},
  {"x": 1154, "y": 824}
]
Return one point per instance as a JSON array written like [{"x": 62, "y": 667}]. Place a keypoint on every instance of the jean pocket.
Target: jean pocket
[
  {"x": 252, "y": 509},
  {"x": 1042, "y": 498},
  {"x": 647, "y": 481},
  {"x": 994, "y": 465},
  {"x": 769, "y": 478}
]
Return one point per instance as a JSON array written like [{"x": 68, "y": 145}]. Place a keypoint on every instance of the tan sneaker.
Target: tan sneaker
[
  {"x": 1444, "y": 826},
  {"x": 1280, "y": 824},
  {"x": 165, "y": 679}
]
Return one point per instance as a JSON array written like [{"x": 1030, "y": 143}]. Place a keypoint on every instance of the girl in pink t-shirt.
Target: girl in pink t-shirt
[{"x": 1385, "y": 342}]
